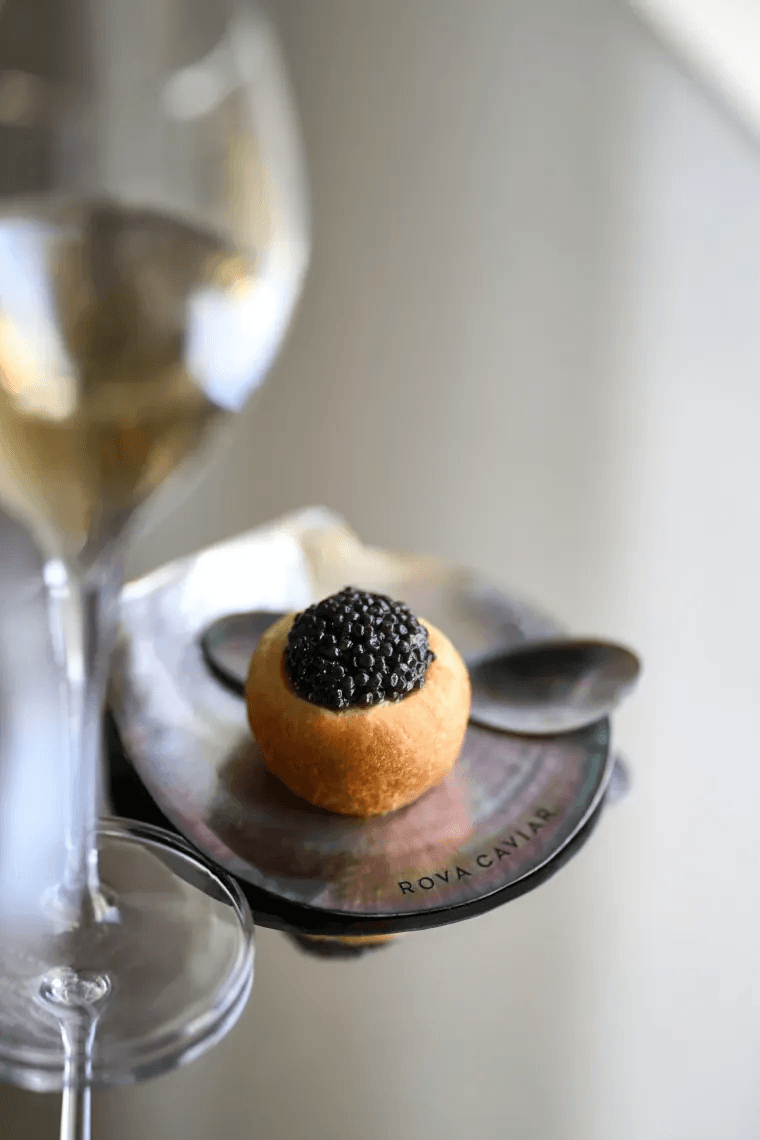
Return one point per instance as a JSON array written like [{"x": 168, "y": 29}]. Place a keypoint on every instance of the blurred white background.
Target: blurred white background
[
  {"x": 721, "y": 40},
  {"x": 529, "y": 342}
]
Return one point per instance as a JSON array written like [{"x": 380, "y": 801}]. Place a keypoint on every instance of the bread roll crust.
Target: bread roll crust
[{"x": 358, "y": 761}]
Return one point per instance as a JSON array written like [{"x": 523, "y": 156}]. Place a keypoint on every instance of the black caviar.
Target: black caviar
[{"x": 355, "y": 649}]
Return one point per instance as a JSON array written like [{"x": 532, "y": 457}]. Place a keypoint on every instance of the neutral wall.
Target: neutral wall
[{"x": 528, "y": 343}]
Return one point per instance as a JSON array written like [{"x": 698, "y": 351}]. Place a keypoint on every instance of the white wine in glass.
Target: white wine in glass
[
  {"x": 124, "y": 336},
  {"x": 153, "y": 242}
]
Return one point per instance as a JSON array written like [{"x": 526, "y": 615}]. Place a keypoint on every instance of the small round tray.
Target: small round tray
[{"x": 507, "y": 815}]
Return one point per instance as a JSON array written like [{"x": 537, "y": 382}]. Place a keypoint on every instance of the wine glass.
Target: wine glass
[{"x": 153, "y": 241}]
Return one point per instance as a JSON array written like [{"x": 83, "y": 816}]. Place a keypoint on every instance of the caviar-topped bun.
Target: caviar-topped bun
[{"x": 356, "y": 705}]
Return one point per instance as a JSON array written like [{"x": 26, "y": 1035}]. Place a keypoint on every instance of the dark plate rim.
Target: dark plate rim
[{"x": 280, "y": 913}]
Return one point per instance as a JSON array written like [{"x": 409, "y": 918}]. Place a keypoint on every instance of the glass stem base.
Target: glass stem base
[{"x": 112, "y": 1002}]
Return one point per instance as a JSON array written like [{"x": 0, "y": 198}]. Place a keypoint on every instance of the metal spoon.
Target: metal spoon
[
  {"x": 228, "y": 644},
  {"x": 539, "y": 689},
  {"x": 551, "y": 686}
]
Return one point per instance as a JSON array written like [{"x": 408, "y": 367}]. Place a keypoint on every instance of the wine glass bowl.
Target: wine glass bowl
[
  {"x": 161, "y": 222},
  {"x": 154, "y": 235}
]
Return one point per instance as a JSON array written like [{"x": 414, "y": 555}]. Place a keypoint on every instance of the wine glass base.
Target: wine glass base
[{"x": 165, "y": 975}]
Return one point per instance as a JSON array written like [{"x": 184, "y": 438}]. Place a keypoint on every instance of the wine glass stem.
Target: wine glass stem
[
  {"x": 76, "y": 1105},
  {"x": 76, "y": 1113},
  {"x": 83, "y": 620}
]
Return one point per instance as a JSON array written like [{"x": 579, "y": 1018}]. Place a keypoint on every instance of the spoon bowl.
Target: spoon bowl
[{"x": 551, "y": 687}]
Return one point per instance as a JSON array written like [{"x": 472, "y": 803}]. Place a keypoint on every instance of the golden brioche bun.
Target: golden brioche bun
[{"x": 358, "y": 761}]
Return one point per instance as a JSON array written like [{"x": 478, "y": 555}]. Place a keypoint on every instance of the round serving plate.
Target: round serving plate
[{"x": 505, "y": 817}]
